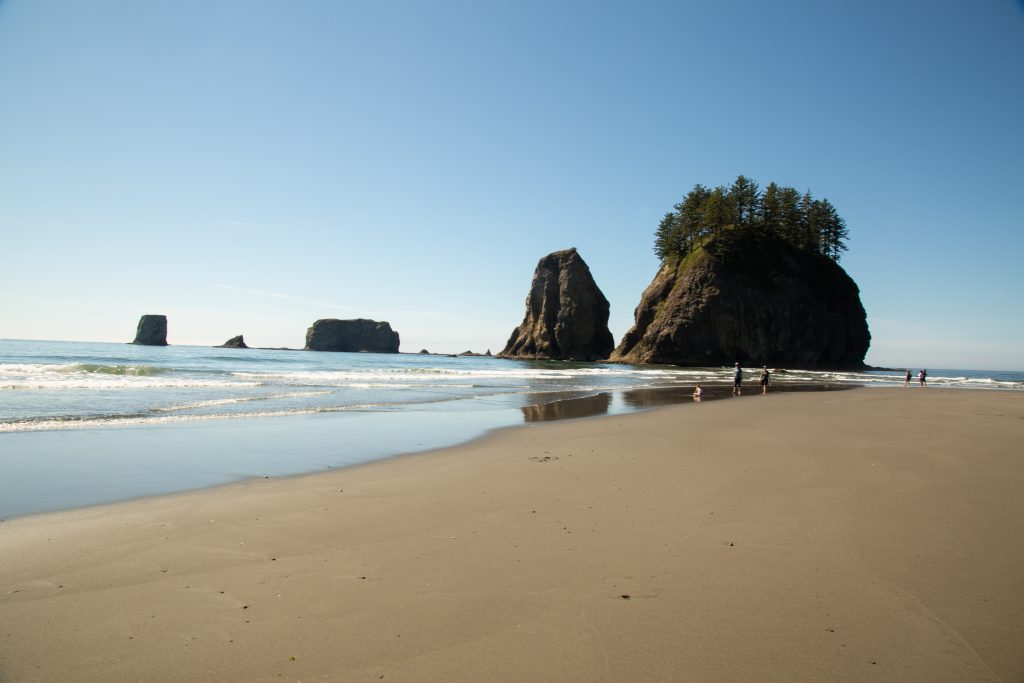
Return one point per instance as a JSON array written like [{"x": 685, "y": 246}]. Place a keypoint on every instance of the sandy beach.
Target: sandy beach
[{"x": 862, "y": 535}]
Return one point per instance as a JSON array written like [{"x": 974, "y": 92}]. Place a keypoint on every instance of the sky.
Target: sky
[{"x": 250, "y": 166}]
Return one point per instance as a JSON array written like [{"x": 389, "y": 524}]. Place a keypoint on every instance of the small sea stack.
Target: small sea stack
[
  {"x": 234, "y": 343},
  {"x": 152, "y": 331}
]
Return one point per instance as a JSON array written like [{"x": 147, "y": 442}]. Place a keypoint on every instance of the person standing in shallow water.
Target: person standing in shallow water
[
  {"x": 766, "y": 379},
  {"x": 698, "y": 393},
  {"x": 737, "y": 380},
  {"x": 906, "y": 381},
  {"x": 922, "y": 376}
]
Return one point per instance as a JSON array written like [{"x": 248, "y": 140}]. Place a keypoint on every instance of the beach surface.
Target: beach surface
[{"x": 862, "y": 535}]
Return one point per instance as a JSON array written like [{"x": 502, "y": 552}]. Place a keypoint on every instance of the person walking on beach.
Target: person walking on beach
[
  {"x": 698, "y": 393},
  {"x": 906, "y": 381},
  {"x": 922, "y": 376},
  {"x": 737, "y": 380},
  {"x": 766, "y": 379}
]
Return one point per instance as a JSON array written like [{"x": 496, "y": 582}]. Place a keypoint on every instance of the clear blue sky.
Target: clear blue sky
[{"x": 251, "y": 166}]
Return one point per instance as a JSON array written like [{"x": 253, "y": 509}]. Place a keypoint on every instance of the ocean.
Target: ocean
[{"x": 88, "y": 423}]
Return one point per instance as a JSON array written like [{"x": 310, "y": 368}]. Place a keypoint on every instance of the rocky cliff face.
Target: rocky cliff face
[
  {"x": 566, "y": 314},
  {"x": 753, "y": 300},
  {"x": 152, "y": 331},
  {"x": 351, "y": 335}
]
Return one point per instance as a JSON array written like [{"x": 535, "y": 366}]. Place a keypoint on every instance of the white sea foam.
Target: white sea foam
[
  {"x": 212, "y": 403},
  {"x": 103, "y": 421},
  {"x": 55, "y": 383},
  {"x": 130, "y": 420},
  {"x": 328, "y": 377},
  {"x": 15, "y": 376}
]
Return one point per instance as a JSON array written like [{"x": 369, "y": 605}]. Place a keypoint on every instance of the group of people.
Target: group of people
[
  {"x": 922, "y": 377},
  {"x": 764, "y": 380},
  {"x": 737, "y": 380}
]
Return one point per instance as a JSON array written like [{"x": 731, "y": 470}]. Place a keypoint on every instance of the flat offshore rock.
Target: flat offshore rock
[{"x": 331, "y": 334}]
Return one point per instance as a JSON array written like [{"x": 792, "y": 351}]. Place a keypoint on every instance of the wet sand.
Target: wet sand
[
  {"x": 843, "y": 536},
  {"x": 63, "y": 469}
]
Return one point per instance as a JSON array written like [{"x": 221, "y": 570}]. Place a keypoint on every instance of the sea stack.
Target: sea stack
[
  {"x": 234, "y": 343},
  {"x": 566, "y": 314},
  {"x": 753, "y": 299},
  {"x": 357, "y": 335},
  {"x": 152, "y": 331}
]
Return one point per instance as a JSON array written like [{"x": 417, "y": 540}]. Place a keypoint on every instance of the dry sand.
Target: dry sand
[{"x": 865, "y": 535}]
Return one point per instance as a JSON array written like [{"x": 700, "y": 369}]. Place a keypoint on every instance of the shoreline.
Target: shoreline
[
  {"x": 847, "y": 536},
  {"x": 83, "y": 467}
]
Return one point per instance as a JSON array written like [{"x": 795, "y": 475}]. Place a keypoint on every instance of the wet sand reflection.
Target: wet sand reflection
[
  {"x": 642, "y": 399},
  {"x": 568, "y": 408}
]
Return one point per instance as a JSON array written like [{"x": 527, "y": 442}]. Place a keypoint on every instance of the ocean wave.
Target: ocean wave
[
  {"x": 75, "y": 422},
  {"x": 216, "y": 402},
  {"x": 396, "y": 385},
  {"x": 126, "y": 370},
  {"x": 981, "y": 382},
  {"x": 99, "y": 421},
  {"x": 27, "y": 376},
  {"x": 423, "y": 374},
  {"x": 43, "y": 383},
  {"x": 121, "y": 370}
]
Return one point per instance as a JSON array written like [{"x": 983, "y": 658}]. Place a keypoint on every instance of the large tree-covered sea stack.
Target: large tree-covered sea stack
[
  {"x": 743, "y": 280},
  {"x": 566, "y": 314}
]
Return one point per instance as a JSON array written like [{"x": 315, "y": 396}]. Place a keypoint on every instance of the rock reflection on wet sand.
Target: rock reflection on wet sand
[
  {"x": 641, "y": 399},
  {"x": 568, "y": 408}
]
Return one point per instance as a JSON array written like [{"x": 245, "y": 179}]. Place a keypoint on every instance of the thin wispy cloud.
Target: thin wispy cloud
[
  {"x": 251, "y": 225},
  {"x": 288, "y": 297},
  {"x": 441, "y": 316},
  {"x": 392, "y": 314}
]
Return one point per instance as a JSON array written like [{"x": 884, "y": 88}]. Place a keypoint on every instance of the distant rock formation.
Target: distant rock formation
[
  {"x": 331, "y": 334},
  {"x": 152, "y": 331},
  {"x": 751, "y": 299},
  {"x": 234, "y": 343},
  {"x": 424, "y": 352},
  {"x": 566, "y": 314}
]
